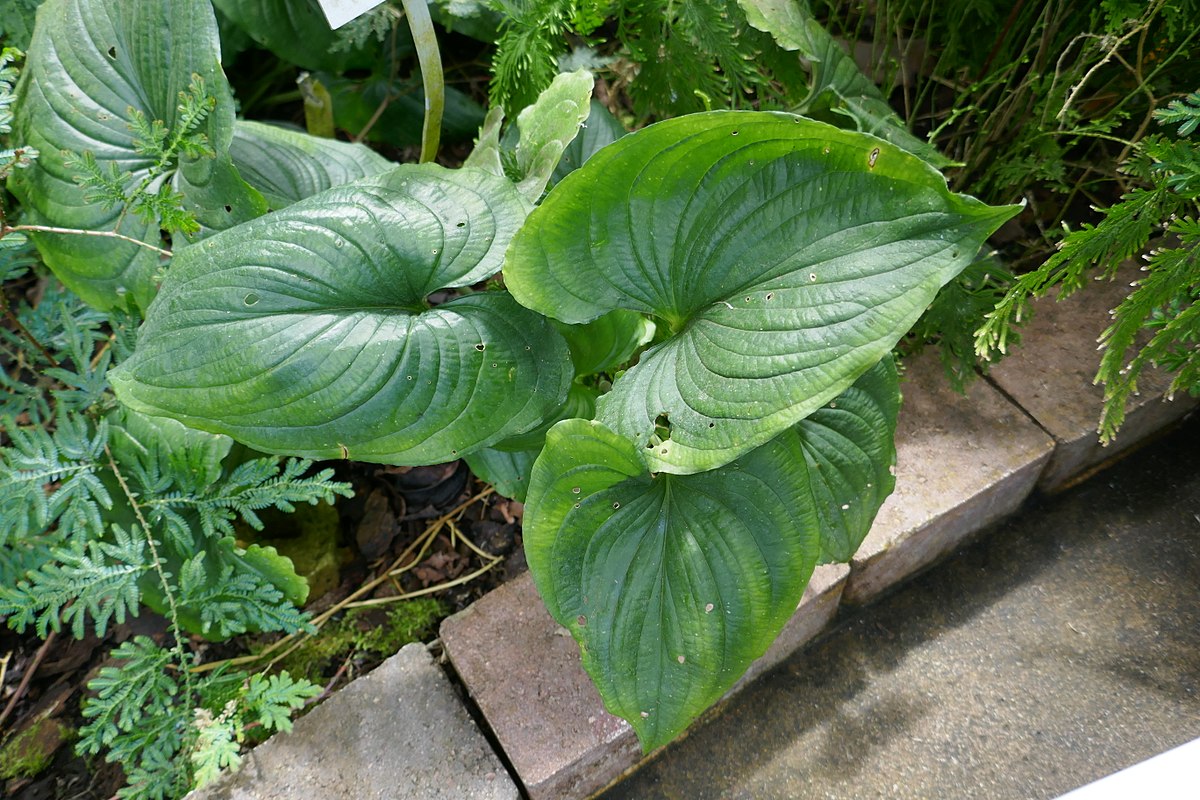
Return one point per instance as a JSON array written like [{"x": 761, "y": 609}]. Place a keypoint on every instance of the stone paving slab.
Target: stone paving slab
[
  {"x": 1050, "y": 375},
  {"x": 963, "y": 463},
  {"x": 399, "y": 732},
  {"x": 523, "y": 670}
]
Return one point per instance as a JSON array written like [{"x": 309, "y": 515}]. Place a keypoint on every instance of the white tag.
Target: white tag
[{"x": 339, "y": 12}]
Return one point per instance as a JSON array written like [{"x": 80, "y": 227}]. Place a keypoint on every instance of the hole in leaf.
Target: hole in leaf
[
  {"x": 228, "y": 209},
  {"x": 112, "y": 52},
  {"x": 871, "y": 159},
  {"x": 733, "y": 133},
  {"x": 250, "y": 299},
  {"x": 616, "y": 506},
  {"x": 461, "y": 225},
  {"x": 481, "y": 347}
]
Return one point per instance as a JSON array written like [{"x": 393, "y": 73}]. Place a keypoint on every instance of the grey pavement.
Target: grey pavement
[
  {"x": 399, "y": 733},
  {"x": 1063, "y": 647}
]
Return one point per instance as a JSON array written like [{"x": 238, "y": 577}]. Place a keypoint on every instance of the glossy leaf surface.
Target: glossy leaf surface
[
  {"x": 287, "y": 165},
  {"x": 850, "y": 448},
  {"x": 93, "y": 69},
  {"x": 672, "y": 584},
  {"x": 308, "y": 332},
  {"x": 785, "y": 256}
]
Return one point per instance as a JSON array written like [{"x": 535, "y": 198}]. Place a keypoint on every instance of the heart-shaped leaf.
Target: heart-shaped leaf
[
  {"x": 98, "y": 77},
  {"x": 308, "y": 332},
  {"x": 785, "y": 256},
  {"x": 672, "y": 584},
  {"x": 850, "y": 448},
  {"x": 286, "y": 165}
]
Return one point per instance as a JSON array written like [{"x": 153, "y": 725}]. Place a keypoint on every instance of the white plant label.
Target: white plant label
[{"x": 339, "y": 12}]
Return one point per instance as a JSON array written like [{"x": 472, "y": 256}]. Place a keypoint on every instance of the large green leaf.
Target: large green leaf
[
  {"x": 837, "y": 82},
  {"x": 93, "y": 67},
  {"x": 850, "y": 448},
  {"x": 672, "y": 584},
  {"x": 357, "y": 103},
  {"x": 308, "y": 332},
  {"x": 785, "y": 256},
  {"x": 287, "y": 165}
]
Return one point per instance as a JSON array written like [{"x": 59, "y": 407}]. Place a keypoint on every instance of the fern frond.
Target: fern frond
[
  {"x": 230, "y": 601},
  {"x": 157, "y": 774},
  {"x": 95, "y": 579},
  {"x": 124, "y": 697},
  {"x": 531, "y": 37},
  {"x": 138, "y": 713},
  {"x": 1186, "y": 112},
  {"x": 68, "y": 460},
  {"x": 273, "y": 698},
  {"x": 217, "y": 745},
  {"x": 260, "y": 483},
  {"x": 1122, "y": 234},
  {"x": 1173, "y": 278}
]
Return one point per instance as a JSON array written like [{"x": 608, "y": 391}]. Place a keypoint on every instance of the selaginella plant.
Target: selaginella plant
[{"x": 685, "y": 369}]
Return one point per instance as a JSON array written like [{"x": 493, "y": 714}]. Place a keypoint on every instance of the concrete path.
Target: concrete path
[{"x": 1062, "y": 648}]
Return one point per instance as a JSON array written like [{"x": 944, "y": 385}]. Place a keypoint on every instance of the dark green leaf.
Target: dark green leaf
[
  {"x": 508, "y": 472},
  {"x": 600, "y": 130},
  {"x": 294, "y": 30},
  {"x": 850, "y": 448},
  {"x": 606, "y": 342},
  {"x": 672, "y": 584}
]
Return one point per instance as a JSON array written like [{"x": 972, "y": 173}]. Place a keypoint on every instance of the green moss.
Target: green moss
[
  {"x": 373, "y": 631},
  {"x": 30, "y": 752}
]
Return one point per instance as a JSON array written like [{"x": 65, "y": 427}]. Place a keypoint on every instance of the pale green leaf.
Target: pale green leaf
[{"x": 548, "y": 126}]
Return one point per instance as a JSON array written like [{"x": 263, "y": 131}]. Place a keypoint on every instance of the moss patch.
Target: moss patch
[
  {"x": 30, "y": 752},
  {"x": 376, "y": 631}
]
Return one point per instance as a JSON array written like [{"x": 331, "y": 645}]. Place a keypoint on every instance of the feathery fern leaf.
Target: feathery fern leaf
[{"x": 95, "y": 579}]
